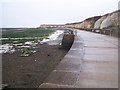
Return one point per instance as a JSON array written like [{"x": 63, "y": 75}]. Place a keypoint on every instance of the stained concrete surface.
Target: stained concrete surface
[
  {"x": 0, "y": 71},
  {"x": 92, "y": 62}
]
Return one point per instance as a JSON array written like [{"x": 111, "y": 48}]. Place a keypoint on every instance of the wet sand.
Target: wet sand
[{"x": 30, "y": 72}]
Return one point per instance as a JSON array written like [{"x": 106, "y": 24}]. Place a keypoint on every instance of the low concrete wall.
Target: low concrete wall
[{"x": 114, "y": 31}]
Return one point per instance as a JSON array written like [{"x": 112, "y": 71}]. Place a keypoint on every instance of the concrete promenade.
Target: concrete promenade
[{"x": 92, "y": 62}]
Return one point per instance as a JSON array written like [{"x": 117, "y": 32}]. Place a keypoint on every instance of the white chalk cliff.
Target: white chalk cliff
[{"x": 109, "y": 20}]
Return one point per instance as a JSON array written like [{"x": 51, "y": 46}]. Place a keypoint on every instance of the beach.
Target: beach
[
  {"x": 31, "y": 71},
  {"x": 21, "y": 71}
]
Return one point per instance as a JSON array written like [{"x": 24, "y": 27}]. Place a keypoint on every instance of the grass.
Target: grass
[{"x": 21, "y": 36}]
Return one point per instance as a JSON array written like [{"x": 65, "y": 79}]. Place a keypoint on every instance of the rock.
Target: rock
[
  {"x": 110, "y": 21},
  {"x": 28, "y": 43},
  {"x": 114, "y": 19},
  {"x": 48, "y": 54},
  {"x": 4, "y": 86},
  {"x": 106, "y": 23},
  {"x": 88, "y": 23},
  {"x": 67, "y": 41},
  {"x": 98, "y": 22}
]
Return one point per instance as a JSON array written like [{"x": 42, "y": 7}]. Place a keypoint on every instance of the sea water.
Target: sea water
[{"x": 54, "y": 38}]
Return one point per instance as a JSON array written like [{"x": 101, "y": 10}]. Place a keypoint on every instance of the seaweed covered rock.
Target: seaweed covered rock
[{"x": 67, "y": 41}]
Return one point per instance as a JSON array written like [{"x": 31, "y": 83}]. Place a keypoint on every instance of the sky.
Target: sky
[{"x": 33, "y": 13}]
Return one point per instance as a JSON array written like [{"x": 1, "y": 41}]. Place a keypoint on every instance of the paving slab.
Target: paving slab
[
  {"x": 72, "y": 59},
  {"x": 50, "y": 85},
  {"x": 100, "y": 58},
  {"x": 69, "y": 66},
  {"x": 99, "y": 44},
  {"x": 98, "y": 51},
  {"x": 62, "y": 78},
  {"x": 100, "y": 67}
]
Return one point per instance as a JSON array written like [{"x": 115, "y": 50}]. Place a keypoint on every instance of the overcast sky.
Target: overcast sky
[{"x": 32, "y": 13}]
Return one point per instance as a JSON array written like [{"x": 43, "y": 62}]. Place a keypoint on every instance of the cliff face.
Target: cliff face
[
  {"x": 88, "y": 23},
  {"x": 109, "y": 20},
  {"x": 98, "y": 22}
]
